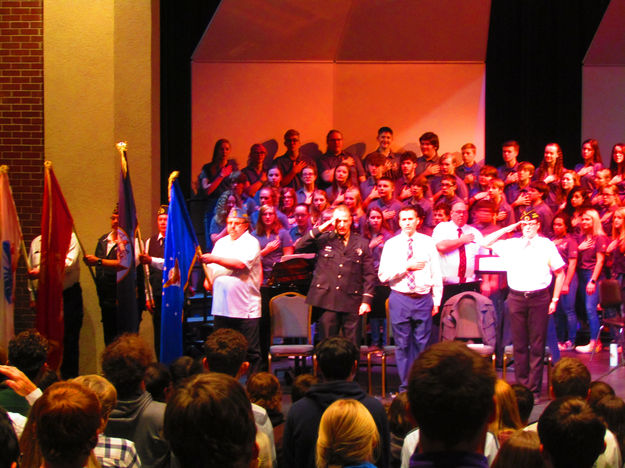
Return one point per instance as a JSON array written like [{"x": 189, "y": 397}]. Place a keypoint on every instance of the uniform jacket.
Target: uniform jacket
[
  {"x": 344, "y": 276},
  {"x": 486, "y": 314}
]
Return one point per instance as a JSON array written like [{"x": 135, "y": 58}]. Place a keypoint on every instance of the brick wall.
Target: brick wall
[{"x": 21, "y": 123}]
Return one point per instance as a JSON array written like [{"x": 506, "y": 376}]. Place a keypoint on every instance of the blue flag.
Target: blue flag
[
  {"x": 127, "y": 309},
  {"x": 180, "y": 250}
]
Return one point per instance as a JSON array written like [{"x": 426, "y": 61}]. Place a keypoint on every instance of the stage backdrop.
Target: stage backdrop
[{"x": 264, "y": 66}]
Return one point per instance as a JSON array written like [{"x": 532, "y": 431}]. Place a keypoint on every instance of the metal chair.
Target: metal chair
[
  {"x": 610, "y": 297},
  {"x": 290, "y": 318},
  {"x": 387, "y": 350}
]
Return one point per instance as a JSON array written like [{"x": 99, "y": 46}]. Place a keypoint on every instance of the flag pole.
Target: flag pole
[
  {"x": 198, "y": 251},
  {"x": 82, "y": 248}
]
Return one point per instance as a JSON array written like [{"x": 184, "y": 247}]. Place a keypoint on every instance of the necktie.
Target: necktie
[
  {"x": 462, "y": 265},
  {"x": 410, "y": 273}
]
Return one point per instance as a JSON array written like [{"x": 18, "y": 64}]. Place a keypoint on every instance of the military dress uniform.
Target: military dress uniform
[{"x": 344, "y": 278}]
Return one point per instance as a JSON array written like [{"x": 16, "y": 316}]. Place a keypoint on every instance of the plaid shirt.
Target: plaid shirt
[{"x": 115, "y": 452}]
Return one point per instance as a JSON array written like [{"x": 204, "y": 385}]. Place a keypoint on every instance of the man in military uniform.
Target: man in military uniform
[
  {"x": 344, "y": 278},
  {"x": 154, "y": 258}
]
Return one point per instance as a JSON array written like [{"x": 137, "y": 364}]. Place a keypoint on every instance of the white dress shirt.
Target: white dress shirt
[
  {"x": 529, "y": 263},
  {"x": 72, "y": 263},
  {"x": 156, "y": 262},
  {"x": 448, "y": 230},
  {"x": 394, "y": 262}
]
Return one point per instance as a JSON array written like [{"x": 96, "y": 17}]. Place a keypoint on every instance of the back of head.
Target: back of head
[
  {"x": 399, "y": 424},
  {"x": 301, "y": 384},
  {"x": 28, "y": 352},
  {"x": 184, "y": 367},
  {"x": 522, "y": 449},
  {"x": 598, "y": 390},
  {"x": 450, "y": 391},
  {"x": 264, "y": 389},
  {"x": 507, "y": 409},
  {"x": 571, "y": 433},
  {"x": 124, "y": 362},
  {"x": 336, "y": 357},
  {"x": 104, "y": 390},
  {"x": 612, "y": 410},
  {"x": 157, "y": 380},
  {"x": 209, "y": 423},
  {"x": 225, "y": 350},
  {"x": 570, "y": 377},
  {"x": 525, "y": 401},
  {"x": 67, "y": 418},
  {"x": 9, "y": 448},
  {"x": 347, "y": 435}
]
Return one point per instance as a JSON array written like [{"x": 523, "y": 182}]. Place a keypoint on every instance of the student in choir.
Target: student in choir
[
  {"x": 341, "y": 181},
  {"x": 320, "y": 203},
  {"x": 591, "y": 156},
  {"x": 408, "y": 167},
  {"x": 617, "y": 167},
  {"x": 287, "y": 204},
  {"x": 469, "y": 170},
  {"x": 353, "y": 201},
  {"x": 255, "y": 170},
  {"x": 375, "y": 168},
  {"x": 309, "y": 180}
]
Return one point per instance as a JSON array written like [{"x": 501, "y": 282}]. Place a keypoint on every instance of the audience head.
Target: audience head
[
  {"x": 570, "y": 377},
  {"x": 611, "y": 409},
  {"x": 521, "y": 449},
  {"x": 597, "y": 391},
  {"x": 104, "y": 391},
  {"x": 571, "y": 433},
  {"x": 158, "y": 381},
  {"x": 398, "y": 420},
  {"x": 337, "y": 358},
  {"x": 301, "y": 385},
  {"x": 225, "y": 351},
  {"x": 347, "y": 435},
  {"x": 184, "y": 367},
  {"x": 124, "y": 362},
  {"x": 28, "y": 352},
  {"x": 9, "y": 447},
  {"x": 209, "y": 423},
  {"x": 67, "y": 419},
  {"x": 450, "y": 391},
  {"x": 264, "y": 389},
  {"x": 506, "y": 409},
  {"x": 525, "y": 402}
]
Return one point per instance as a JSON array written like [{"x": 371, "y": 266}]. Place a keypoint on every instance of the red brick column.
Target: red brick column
[{"x": 21, "y": 123}]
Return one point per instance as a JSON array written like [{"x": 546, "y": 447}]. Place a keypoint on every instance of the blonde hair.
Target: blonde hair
[
  {"x": 347, "y": 435},
  {"x": 506, "y": 409},
  {"x": 104, "y": 390},
  {"x": 597, "y": 229}
]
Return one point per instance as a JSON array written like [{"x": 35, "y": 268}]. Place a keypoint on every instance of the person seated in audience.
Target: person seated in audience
[
  {"x": 183, "y": 368},
  {"x": 428, "y": 163},
  {"x": 287, "y": 204},
  {"x": 347, "y": 436},
  {"x": 375, "y": 168},
  {"x": 611, "y": 409},
  {"x": 255, "y": 169},
  {"x": 390, "y": 161},
  {"x": 592, "y": 163},
  {"x": 597, "y": 391},
  {"x": 507, "y": 419},
  {"x": 264, "y": 390},
  {"x": 403, "y": 183},
  {"x": 447, "y": 192},
  {"x": 571, "y": 434},
  {"x": 505, "y": 213},
  {"x": 9, "y": 447},
  {"x": 28, "y": 352},
  {"x": 525, "y": 402},
  {"x": 292, "y": 162},
  {"x": 304, "y": 194},
  {"x": 274, "y": 240},
  {"x": 447, "y": 169},
  {"x": 320, "y": 203},
  {"x": 337, "y": 359},
  {"x": 110, "y": 451},
  {"x": 301, "y": 385},
  {"x": 517, "y": 192},
  {"x": 571, "y": 378},
  {"x": 522, "y": 449},
  {"x": 480, "y": 190},
  {"x": 209, "y": 423},
  {"x": 225, "y": 203},
  {"x": 302, "y": 222},
  {"x": 450, "y": 393},
  {"x": 66, "y": 419},
  {"x": 508, "y": 170},
  {"x": 400, "y": 424},
  {"x": 335, "y": 155},
  {"x": 441, "y": 213},
  {"x": 389, "y": 205},
  {"x": 418, "y": 196},
  {"x": 224, "y": 352},
  {"x": 469, "y": 170},
  {"x": 136, "y": 416},
  {"x": 340, "y": 183},
  {"x": 158, "y": 381}
]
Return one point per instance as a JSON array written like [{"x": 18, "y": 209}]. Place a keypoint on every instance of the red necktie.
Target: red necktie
[
  {"x": 462, "y": 265},
  {"x": 410, "y": 273}
]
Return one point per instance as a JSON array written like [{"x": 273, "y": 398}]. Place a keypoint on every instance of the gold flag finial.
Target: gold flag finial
[
  {"x": 47, "y": 164},
  {"x": 4, "y": 169},
  {"x": 173, "y": 176},
  {"x": 121, "y": 146}
]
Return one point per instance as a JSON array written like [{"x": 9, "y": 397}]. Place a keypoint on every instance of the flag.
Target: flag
[
  {"x": 56, "y": 233},
  {"x": 180, "y": 250},
  {"x": 127, "y": 311},
  {"x": 10, "y": 239}
]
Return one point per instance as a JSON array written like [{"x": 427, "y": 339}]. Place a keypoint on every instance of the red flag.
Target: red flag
[
  {"x": 10, "y": 239},
  {"x": 56, "y": 232}
]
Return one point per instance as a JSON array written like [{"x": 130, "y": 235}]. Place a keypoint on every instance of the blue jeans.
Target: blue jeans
[
  {"x": 590, "y": 301},
  {"x": 566, "y": 318},
  {"x": 411, "y": 319}
]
